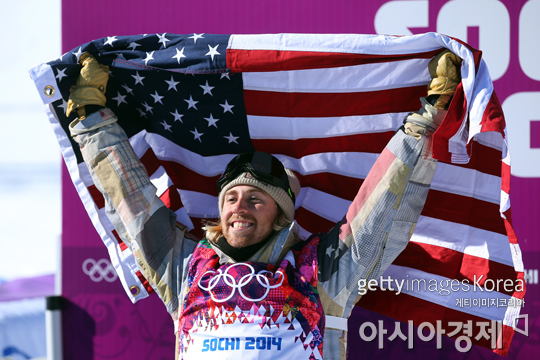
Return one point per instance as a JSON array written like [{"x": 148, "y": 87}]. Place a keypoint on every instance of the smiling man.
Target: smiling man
[{"x": 252, "y": 289}]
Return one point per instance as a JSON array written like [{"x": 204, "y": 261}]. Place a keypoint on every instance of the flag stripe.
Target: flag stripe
[
  {"x": 447, "y": 263},
  {"x": 463, "y": 238},
  {"x": 269, "y": 103},
  {"x": 362, "y": 78},
  {"x": 272, "y": 60}
]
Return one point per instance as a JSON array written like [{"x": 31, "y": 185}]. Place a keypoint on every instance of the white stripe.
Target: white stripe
[
  {"x": 161, "y": 180},
  {"x": 84, "y": 174},
  {"x": 269, "y": 127},
  {"x": 334, "y": 207},
  {"x": 199, "y": 205},
  {"x": 343, "y": 43},
  {"x": 436, "y": 295},
  {"x": 303, "y": 233},
  {"x": 347, "y": 79},
  {"x": 490, "y": 139},
  {"x": 467, "y": 182},
  {"x": 183, "y": 218},
  {"x": 482, "y": 91},
  {"x": 516, "y": 257},
  {"x": 463, "y": 238}
]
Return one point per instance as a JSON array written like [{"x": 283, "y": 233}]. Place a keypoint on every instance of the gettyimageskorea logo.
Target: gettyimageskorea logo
[
  {"x": 246, "y": 280},
  {"x": 99, "y": 270}
]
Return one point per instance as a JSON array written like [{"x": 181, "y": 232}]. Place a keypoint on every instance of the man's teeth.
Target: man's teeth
[{"x": 238, "y": 225}]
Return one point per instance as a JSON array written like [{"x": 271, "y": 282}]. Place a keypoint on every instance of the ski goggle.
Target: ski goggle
[{"x": 262, "y": 166}]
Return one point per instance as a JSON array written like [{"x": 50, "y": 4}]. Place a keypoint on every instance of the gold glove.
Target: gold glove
[
  {"x": 445, "y": 74},
  {"x": 90, "y": 86}
]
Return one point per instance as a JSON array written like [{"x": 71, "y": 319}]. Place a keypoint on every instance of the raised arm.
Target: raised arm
[
  {"x": 383, "y": 215},
  {"x": 158, "y": 242}
]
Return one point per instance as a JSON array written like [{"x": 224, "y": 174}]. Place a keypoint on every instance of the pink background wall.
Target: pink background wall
[{"x": 101, "y": 322}]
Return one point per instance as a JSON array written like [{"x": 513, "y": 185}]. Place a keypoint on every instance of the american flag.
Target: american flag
[{"x": 325, "y": 105}]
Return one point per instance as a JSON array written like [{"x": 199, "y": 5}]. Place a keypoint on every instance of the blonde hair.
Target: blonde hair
[{"x": 214, "y": 230}]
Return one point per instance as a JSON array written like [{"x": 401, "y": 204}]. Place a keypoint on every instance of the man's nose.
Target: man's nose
[{"x": 240, "y": 206}]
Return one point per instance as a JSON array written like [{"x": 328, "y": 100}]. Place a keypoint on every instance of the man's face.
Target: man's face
[{"x": 247, "y": 216}]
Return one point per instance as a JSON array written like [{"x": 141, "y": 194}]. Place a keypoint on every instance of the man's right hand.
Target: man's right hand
[{"x": 90, "y": 86}]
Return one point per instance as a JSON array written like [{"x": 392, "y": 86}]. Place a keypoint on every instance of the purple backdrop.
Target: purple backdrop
[{"x": 101, "y": 322}]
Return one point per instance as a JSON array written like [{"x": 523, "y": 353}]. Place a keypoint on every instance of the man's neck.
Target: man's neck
[{"x": 240, "y": 254}]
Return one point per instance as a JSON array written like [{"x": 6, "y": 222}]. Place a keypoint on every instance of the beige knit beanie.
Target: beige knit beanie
[{"x": 279, "y": 195}]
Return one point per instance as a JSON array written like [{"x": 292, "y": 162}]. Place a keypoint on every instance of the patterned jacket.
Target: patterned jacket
[{"x": 289, "y": 296}]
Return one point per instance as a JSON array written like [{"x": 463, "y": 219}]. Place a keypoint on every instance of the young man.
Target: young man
[{"x": 252, "y": 289}]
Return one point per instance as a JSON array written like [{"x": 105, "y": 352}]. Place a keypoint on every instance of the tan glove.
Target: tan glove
[
  {"x": 445, "y": 74},
  {"x": 90, "y": 86}
]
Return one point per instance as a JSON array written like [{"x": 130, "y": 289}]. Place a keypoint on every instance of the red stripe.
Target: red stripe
[
  {"x": 150, "y": 161},
  {"x": 145, "y": 283},
  {"x": 312, "y": 222},
  {"x": 338, "y": 185},
  {"x": 453, "y": 264},
  {"x": 171, "y": 198},
  {"x": 239, "y": 60},
  {"x": 484, "y": 159},
  {"x": 121, "y": 243},
  {"x": 450, "y": 125},
  {"x": 270, "y": 103},
  {"x": 505, "y": 177},
  {"x": 97, "y": 196},
  {"x": 493, "y": 117},
  {"x": 464, "y": 210},
  {"x": 404, "y": 307},
  {"x": 512, "y": 238},
  {"x": 198, "y": 224},
  {"x": 369, "y": 143}
]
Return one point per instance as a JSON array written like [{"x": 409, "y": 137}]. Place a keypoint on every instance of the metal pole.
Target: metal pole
[{"x": 53, "y": 324}]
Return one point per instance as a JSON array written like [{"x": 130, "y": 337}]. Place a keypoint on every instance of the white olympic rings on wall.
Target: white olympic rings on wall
[
  {"x": 261, "y": 277},
  {"x": 99, "y": 270}
]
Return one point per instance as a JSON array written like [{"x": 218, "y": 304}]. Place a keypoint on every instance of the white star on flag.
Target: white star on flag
[
  {"x": 196, "y": 36},
  {"x": 166, "y": 126},
  {"x": 172, "y": 84},
  {"x": 157, "y": 98},
  {"x": 141, "y": 112},
  {"x": 128, "y": 89},
  {"x": 149, "y": 56},
  {"x": 226, "y": 107},
  {"x": 179, "y": 55},
  {"x": 64, "y": 105},
  {"x": 110, "y": 40},
  {"x": 138, "y": 79},
  {"x": 225, "y": 75},
  {"x": 177, "y": 116},
  {"x": 197, "y": 135},
  {"x": 207, "y": 88},
  {"x": 163, "y": 39},
  {"x": 148, "y": 107},
  {"x": 120, "y": 98},
  {"x": 191, "y": 103},
  {"x": 78, "y": 54},
  {"x": 231, "y": 138},
  {"x": 212, "y": 52},
  {"x": 61, "y": 74},
  {"x": 133, "y": 45},
  {"x": 211, "y": 121}
]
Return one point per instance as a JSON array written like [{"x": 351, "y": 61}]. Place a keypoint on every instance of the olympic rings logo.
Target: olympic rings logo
[
  {"x": 261, "y": 277},
  {"x": 99, "y": 270}
]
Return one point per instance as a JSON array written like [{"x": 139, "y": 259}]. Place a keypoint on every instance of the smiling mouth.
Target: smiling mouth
[{"x": 241, "y": 225}]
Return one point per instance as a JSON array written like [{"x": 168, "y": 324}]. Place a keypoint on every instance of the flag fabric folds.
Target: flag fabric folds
[{"x": 325, "y": 105}]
